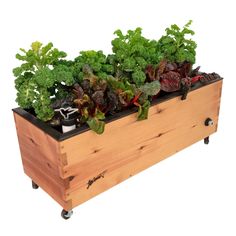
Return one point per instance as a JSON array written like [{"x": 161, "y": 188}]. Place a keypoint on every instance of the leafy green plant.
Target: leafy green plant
[
  {"x": 133, "y": 52},
  {"x": 95, "y": 123},
  {"x": 97, "y": 62},
  {"x": 38, "y": 77},
  {"x": 123, "y": 89},
  {"x": 146, "y": 91},
  {"x": 90, "y": 101},
  {"x": 129, "y": 94},
  {"x": 143, "y": 110},
  {"x": 175, "y": 45}
]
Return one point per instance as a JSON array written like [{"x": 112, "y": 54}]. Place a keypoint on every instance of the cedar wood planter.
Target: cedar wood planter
[{"x": 76, "y": 166}]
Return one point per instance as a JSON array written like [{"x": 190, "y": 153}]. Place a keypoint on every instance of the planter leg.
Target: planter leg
[
  {"x": 34, "y": 185},
  {"x": 206, "y": 140},
  {"x": 66, "y": 214}
]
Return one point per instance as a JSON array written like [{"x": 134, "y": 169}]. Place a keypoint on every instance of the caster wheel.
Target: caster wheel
[
  {"x": 34, "y": 185},
  {"x": 66, "y": 214},
  {"x": 206, "y": 140}
]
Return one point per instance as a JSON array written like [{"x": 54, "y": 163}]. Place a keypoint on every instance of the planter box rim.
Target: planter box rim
[{"x": 60, "y": 136}]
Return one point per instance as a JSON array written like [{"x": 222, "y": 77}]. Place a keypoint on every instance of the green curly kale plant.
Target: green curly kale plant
[
  {"x": 38, "y": 77},
  {"x": 133, "y": 52},
  {"x": 175, "y": 45},
  {"x": 96, "y": 61}
]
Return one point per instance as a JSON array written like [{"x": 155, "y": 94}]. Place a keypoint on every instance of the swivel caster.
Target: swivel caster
[
  {"x": 206, "y": 140},
  {"x": 66, "y": 214},
  {"x": 34, "y": 185}
]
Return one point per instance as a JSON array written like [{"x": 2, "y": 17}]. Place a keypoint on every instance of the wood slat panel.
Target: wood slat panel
[
  {"x": 166, "y": 139},
  {"x": 117, "y": 139},
  {"x": 137, "y": 161},
  {"x": 88, "y": 170}
]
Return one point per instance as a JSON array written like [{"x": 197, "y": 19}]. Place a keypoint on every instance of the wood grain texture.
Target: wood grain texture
[
  {"x": 78, "y": 168},
  {"x": 128, "y": 146}
]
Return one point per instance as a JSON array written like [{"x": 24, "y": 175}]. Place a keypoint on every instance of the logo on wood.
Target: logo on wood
[{"x": 91, "y": 181}]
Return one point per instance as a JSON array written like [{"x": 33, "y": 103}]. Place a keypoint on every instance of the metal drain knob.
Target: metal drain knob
[{"x": 209, "y": 122}]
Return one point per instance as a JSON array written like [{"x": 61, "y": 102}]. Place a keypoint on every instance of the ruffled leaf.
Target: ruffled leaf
[
  {"x": 151, "y": 89},
  {"x": 170, "y": 81},
  {"x": 96, "y": 125}
]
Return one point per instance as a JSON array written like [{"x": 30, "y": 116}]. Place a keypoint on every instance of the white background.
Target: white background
[{"x": 191, "y": 193}]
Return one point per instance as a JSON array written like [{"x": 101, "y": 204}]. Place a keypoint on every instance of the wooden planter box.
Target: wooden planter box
[{"x": 76, "y": 166}]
